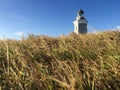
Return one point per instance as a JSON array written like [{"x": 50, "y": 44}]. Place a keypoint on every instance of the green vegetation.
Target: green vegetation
[{"x": 73, "y": 62}]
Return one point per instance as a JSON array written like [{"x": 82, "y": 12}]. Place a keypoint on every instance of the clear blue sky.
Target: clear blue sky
[{"x": 55, "y": 17}]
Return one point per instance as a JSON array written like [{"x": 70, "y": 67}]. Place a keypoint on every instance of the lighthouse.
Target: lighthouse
[{"x": 80, "y": 24}]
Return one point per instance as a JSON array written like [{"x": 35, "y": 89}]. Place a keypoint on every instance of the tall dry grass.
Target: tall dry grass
[{"x": 73, "y": 62}]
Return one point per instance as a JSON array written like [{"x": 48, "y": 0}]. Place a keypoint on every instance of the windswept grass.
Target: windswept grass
[{"x": 73, "y": 62}]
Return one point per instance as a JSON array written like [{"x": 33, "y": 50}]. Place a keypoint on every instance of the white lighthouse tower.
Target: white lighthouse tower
[{"x": 80, "y": 24}]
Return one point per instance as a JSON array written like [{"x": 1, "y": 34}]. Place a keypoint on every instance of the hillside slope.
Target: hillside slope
[{"x": 73, "y": 62}]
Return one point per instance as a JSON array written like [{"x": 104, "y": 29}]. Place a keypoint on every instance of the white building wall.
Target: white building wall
[{"x": 78, "y": 22}]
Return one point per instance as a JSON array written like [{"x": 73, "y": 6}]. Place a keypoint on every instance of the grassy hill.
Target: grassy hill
[{"x": 73, "y": 62}]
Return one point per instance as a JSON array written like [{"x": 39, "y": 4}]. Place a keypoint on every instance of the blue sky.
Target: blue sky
[{"x": 55, "y": 17}]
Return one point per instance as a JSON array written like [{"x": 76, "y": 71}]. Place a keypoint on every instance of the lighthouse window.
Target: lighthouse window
[{"x": 76, "y": 27}]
